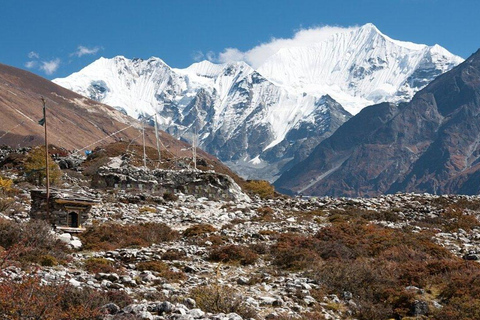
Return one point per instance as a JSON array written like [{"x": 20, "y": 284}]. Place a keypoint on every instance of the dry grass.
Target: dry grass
[{"x": 216, "y": 299}]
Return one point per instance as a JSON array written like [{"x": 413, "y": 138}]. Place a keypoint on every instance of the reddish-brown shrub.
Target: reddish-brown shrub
[
  {"x": 233, "y": 253},
  {"x": 174, "y": 254},
  {"x": 30, "y": 299},
  {"x": 376, "y": 264},
  {"x": 31, "y": 242},
  {"x": 216, "y": 240},
  {"x": 111, "y": 236},
  {"x": 170, "y": 196},
  {"x": 455, "y": 218},
  {"x": 198, "y": 230},
  {"x": 295, "y": 252}
]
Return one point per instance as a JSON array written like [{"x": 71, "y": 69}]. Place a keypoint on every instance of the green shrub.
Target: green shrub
[
  {"x": 35, "y": 167},
  {"x": 157, "y": 266},
  {"x": 147, "y": 210}
]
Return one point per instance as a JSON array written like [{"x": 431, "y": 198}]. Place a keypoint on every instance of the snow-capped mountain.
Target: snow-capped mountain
[
  {"x": 358, "y": 67},
  {"x": 262, "y": 121}
]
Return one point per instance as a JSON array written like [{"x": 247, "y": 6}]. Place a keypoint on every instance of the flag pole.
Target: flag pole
[
  {"x": 158, "y": 142},
  {"x": 46, "y": 158}
]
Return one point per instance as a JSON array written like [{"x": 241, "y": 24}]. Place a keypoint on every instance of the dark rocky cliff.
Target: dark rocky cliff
[{"x": 431, "y": 144}]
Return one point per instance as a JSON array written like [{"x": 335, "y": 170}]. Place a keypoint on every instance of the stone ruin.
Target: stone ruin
[
  {"x": 68, "y": 210},
  {"x": 208, "y": 184}
]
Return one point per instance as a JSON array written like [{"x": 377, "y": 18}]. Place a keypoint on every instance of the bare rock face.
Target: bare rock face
[{"x": 427, "y": 145}]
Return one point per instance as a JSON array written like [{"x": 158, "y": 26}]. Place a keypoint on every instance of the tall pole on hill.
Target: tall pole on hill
[
  {"x": 44, "y": 123},
  {"x": 143, "y": 138},
  {"x": 194, "y": 149},
  {"x": 158, "y": 142}
]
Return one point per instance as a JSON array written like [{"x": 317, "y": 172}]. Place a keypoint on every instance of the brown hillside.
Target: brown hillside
[{"x": 74, "y": 122}]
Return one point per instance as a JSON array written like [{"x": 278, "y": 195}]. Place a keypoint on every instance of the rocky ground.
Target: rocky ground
[
  {"x": 270, "y": 293},
  {"x": 187, "y": 274}
]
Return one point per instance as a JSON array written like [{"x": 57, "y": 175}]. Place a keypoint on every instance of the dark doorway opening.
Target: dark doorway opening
[{"x": 73, "y": 220}]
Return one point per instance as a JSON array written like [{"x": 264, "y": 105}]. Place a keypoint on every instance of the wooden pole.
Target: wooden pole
[
  {"x": 194, "y": 149},
  {"x": 47, "y": 171},
  {"x": 143, "y": 138},
  {"x": 158, "y": 141}
]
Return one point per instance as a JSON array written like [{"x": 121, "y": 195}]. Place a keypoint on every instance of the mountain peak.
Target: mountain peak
[
  {"x": 369, "y": 28},
  {"x": 274, "y": 114},
  {"x": 358, "y": 67}
]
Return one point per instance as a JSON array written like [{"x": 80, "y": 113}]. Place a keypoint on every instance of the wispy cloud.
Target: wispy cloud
[
  {"x": 198, "y": 56},
  {"x": 82, "y": 51},
  {"x": 259, "y": 54},
  {"x": 31, "y": 64},
  {"x": 51, "y": 66},
  {"x": 33, "y": 55}
]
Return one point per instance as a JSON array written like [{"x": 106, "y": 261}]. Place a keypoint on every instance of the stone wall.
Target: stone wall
[{"x": 208, "y": 184}]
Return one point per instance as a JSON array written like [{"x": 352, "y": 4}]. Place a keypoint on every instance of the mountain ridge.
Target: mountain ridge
[{"x": 243, "y": 116}]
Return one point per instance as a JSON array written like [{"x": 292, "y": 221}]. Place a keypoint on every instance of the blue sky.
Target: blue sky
[{"x": 55, "y": 38}]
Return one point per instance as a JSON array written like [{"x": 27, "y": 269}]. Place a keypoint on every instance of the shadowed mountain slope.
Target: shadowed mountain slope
[{"x": 431, "y": 144}]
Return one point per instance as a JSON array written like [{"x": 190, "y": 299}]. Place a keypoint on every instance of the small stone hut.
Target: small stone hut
[{"x": 68, "y": 210}]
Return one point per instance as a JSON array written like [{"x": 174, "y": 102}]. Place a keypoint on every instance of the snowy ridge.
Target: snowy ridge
[
  {"x": 357, "y": 67},
  {"x": 128, "y": 85},
  {"x": 265, "y": 118}
]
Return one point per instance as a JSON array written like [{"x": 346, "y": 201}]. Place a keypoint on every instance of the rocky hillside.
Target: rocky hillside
[
  {"x": 427, "y": 145},
  {"x": 393, "y": 256},
  {"x": 262, "y": 121}
]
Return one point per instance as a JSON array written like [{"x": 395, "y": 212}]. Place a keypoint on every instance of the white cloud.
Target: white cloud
[
  {"x": 33, "y": 55},
  {"x": 31, "y": 64},
  {"x": 82, "y": 51},
  {"x": 259, "y": 54},
  {"x": 51, "y": 66},
  {"x": 231, "y": 54}
]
